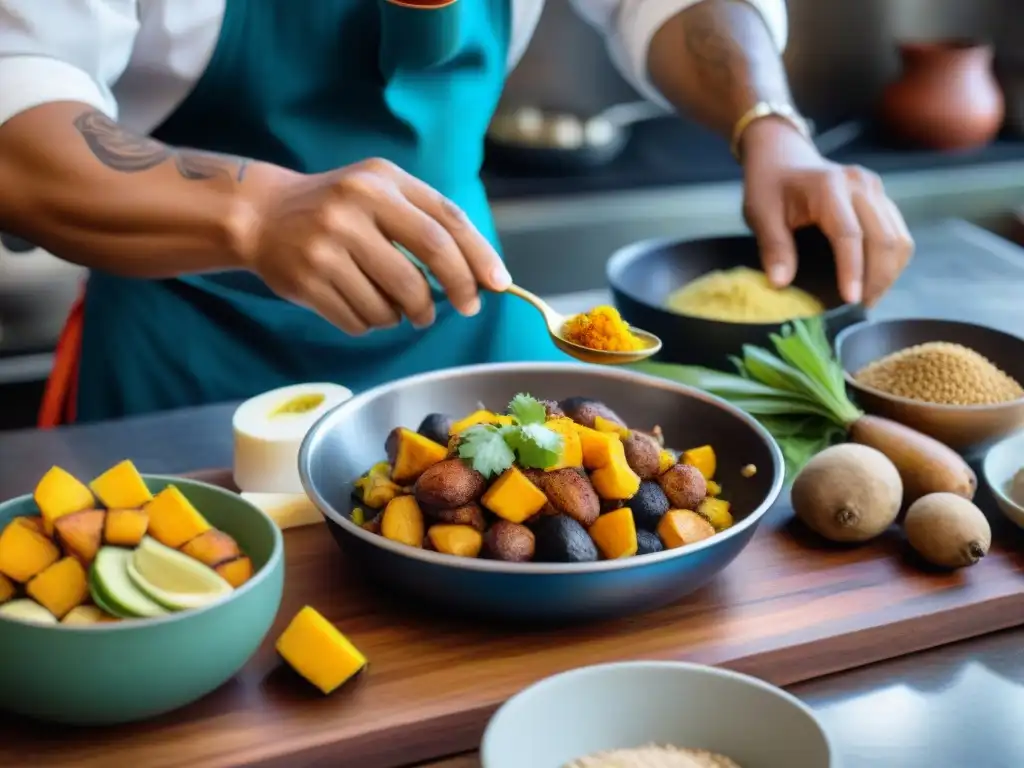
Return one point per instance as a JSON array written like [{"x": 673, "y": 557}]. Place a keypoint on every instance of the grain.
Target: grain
[
  {"x": 654, "y": 757},
  {"x": 942, "y": 373}
]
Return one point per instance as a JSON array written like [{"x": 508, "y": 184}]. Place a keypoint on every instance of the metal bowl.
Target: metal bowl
[
  {"x": 965, "y": 428},
  {"x": 350, "y": 438},
  {"x": 642, "y": 276}
]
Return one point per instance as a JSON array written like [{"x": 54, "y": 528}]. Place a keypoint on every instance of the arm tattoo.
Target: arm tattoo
[{"x": 123, "y": 151}]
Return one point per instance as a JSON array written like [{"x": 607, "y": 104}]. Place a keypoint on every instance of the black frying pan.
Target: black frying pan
[{"x": 642, "y": 276}]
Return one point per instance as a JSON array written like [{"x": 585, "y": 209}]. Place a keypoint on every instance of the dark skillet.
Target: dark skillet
[{"x": 643, "y": 275}]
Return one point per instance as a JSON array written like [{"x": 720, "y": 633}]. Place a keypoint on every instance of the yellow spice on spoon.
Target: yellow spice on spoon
[{"x": 601, "y": 328}]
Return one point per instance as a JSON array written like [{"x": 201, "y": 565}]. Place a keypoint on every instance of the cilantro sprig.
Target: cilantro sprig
[{"x": 491, "y": 449}]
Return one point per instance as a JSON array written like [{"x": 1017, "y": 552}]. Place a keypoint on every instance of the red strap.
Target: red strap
[{"x": 61, "y": 394}]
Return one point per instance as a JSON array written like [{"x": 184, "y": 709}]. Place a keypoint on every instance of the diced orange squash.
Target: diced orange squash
[
  {"x": 458, "y": 540},
  {"x": 679, "y": 527},
  {"x": 513, "y": 497},
  {"x": 7, "y": 589},
  {"x": 61, "y": 587},
  {"x": 314, "y": 648},
  {"x": 703, "y": 458},
  {"x": 614, "y": 533},
  {"x": 24, "y": 552},
  {"x": 81, "y": 533},
  {"x": 615, "y": 481},
  {"x": 212, "y": 548},
  {"x": 412, "y": 455},
  {"x": 403, "y": 521},
  {"x": 173, "y": 521},
  {"x": 665, "y": 461},
  {"x": 235, "y": 572},
  {"x": 125, "y": 527},
  {"x": 601, "y": 424},
  {"x": 35, "y": 522},
  {"x": 716, "y": 512},
  {"x": 59, "y": 493},
  {"x": 479, "y": 417},
  {"x": 571, "y": 454},
  {"x": 121, "y": 487},
  {"x": 599, "y": 448},
  {"x": 714, "y": 489}
]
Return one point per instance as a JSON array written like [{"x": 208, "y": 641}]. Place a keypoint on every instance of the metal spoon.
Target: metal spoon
[{"x": 555, "y": 322}]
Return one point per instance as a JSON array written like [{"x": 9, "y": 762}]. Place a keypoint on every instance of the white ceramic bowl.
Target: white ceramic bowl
[
  {"x": 618, "y": 706},
  {"x": 1001, "y": 463}
]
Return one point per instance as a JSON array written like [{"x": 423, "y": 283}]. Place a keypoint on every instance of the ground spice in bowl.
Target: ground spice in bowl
[
  {"x": 601, "y": 328},
  {"x": 941, "y": 373},
  {"x": 654, "y": 757}
]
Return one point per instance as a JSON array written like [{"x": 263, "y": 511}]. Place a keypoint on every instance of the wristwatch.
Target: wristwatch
[{"x": 762, "y": 110}]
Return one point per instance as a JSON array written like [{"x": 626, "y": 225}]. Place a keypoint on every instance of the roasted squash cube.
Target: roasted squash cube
[
  {"x": 59, "y": 493},
  {"x": 81, "y": 533},
  {"x": 411, "y": 454},
  {"x": 235, "y": 572},
  {"x": 121, "y": 487},
  {"x": 615, "y": 534},
  {"x": 716, "y": 512},
  {"x": 599, "y": 448},
  {"x": 457, "y": 540},
  {"x": 173, "y": 521},
  {"x": 601, "y": 424},
  {"x": 615, "y": 481},
  {"x": 125, "y": 527},
  {"x": 25, "y": 552},
  {"x": 403, "y": 521},
  {"x": 61, "y": 587},
  {"x": 479, "y": 417},
  {"x": 513, "y": 497},
  {"x": 35, "y": 522},
  {"x": 212, "y": 548},
  {"x": 314, "y": 648},
  {"x": 571, "y": 453},
  {"x": 679, "y": 527},
  {"x": 703, "y": 458}
]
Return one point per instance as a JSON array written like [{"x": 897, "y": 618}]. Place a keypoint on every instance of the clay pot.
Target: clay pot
[{"x": 947, "y": 97}]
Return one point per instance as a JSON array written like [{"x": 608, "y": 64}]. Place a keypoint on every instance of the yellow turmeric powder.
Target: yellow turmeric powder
[
  {"x": 742, "y": 295},
  {"x": 601, "y": 328}
]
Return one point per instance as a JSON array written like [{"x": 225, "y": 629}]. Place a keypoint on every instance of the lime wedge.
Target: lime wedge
[
  {"x": 114, "y": 592},
  {"x": 173, "y": 579}
]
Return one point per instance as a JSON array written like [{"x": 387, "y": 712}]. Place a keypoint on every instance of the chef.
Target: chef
[{"x": 236, "y": 175}]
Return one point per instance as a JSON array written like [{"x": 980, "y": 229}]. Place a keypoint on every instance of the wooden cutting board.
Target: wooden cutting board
[{"x": 788, "y": 609}]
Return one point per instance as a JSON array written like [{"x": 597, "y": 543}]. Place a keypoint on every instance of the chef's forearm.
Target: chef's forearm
[
  {"x": 84, "y": 188},
  {"x": 715, "y": 60}
]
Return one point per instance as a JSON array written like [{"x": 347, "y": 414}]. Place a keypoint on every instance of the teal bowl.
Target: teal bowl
[{"x": 139, "y": 668}]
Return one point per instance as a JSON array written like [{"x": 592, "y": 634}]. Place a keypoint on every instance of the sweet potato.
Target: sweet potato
[
  {"x": 81, "y": 533},
  {"x": 61, "y": 587},
  {"x": 236, "y": 572},
  {"x": 121, "y": 487},
  {"x": 60, "y": 493},
  {"x": 125, "y": 527},
  {"x": 24, "y": 552},
  {"x": 212, "y": 548},
  {"x": 173, "y": 521}
]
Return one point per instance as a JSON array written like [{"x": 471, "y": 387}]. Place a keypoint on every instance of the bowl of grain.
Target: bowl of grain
[
  {"x": 706, "y": 298},
  {"x": 958, "y": 382},
  {"x": 648, "y": 714}
]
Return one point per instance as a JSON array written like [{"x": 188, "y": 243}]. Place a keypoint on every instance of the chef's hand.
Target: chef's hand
[
  {"x": 326, "y": 241},
  {"x": 790, "y": 185}
]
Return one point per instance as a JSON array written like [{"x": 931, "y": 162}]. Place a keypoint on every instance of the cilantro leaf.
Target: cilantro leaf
[
  {"x": 484, "y": 446},
  {"x": 527, "y": 409},
  {"x": 537, "y": 446}
]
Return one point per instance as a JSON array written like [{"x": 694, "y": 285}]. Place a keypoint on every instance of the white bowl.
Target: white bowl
[
  {"x": 618, "y": 706},
  {"x": 1002, "y": 462}
]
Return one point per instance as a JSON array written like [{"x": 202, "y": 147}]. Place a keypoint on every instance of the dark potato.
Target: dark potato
[
  {"x": 642, "y": 454},
  {"x": 647, "y": 543},
  {"x": 684, "y": 485},
  {"x": 468, "y": 514},
  {"x": 572, "y": 494},
  {"x": 649, "y": 505},
  {"x": 583, "y": 411},
  {"x": 510, "y": 542},
  {"x": 610, "y": 505},
  {"x": 449, "y": 484},
  {"x": 435, "y": 427},
  {"x": 561, "y": 539}
]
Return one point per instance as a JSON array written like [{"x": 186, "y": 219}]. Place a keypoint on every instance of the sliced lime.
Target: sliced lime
[
  {"x": 114, "y": 592},
  {"x": 174, "y": 579}
]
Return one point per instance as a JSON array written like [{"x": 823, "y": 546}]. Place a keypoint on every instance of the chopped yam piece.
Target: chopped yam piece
[
  {"x": 679, "y": 527},
  {"x": 458, "y": 540},
  {"x": 599, "y": 448},
  {"x": 61, "y": 587},
  {"x": 121, "y": 487},
  {"x": 615, "y": 534},
  {"x": 173, "y": 521},
  {"x": 81, "y": 533},
  {"x": 703, "y": 458},
  {"x": 125, "y": 527},
  {"x": 513, "y": 497},
  {"x": 571, "y": 453},
  {"x": 212, "y": 548},
  {"x": 24, "y": 552},
  {"x": 59, "y": 493},
  {"x": 235, "y": 572},
  {"x": 314, "y": 648},
  {"x": 403, "y": 521}
]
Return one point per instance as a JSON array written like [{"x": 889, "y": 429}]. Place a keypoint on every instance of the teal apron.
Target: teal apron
[{"x": 312, "y": 85}]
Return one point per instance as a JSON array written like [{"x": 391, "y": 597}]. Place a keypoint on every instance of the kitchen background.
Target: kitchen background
[{"x": 572, "y": 208}]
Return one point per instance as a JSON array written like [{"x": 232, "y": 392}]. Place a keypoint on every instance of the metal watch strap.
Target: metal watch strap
[{"x": 760, "y": 111}]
